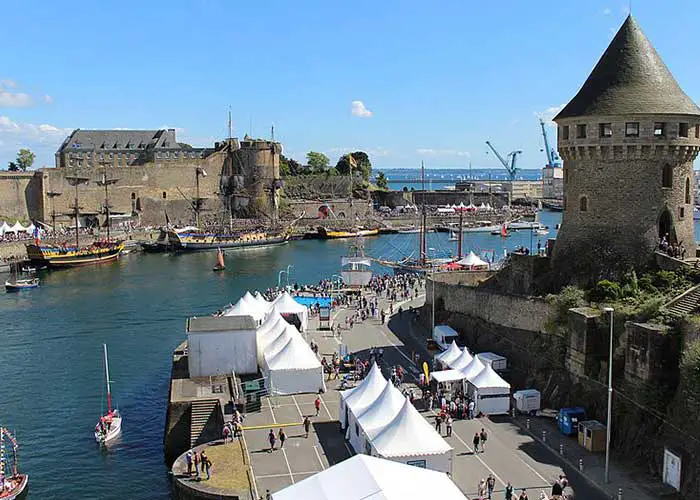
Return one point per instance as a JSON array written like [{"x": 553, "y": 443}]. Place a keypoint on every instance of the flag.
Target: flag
[
  {"x": 37, "y": 235},
  {"x": 351, "y": 160}
]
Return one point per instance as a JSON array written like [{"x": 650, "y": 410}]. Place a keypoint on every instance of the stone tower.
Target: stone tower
[{"x": 628, "y": 140}]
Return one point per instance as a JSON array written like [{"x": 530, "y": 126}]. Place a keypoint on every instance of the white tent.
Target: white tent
[
  {"x": 261, "y": 300},
  {"x": 30, "y": 228},
  {"x": 410, "y": 439},
  {"x": 369, "y": 478},
  {"x": 462, "y": 361},
  {"x": 286, "y": 305},
  {"x": 368, "y": 389},
  {"x": 245, "y": 307},
  {"x": 472, "y": 261},
  {"x": 491, "y": 393},
  {"x": 294, "y": 369},
  {"x": 473, "y": 368},
  {"x": 4, "y": 228},
  {"x": 280, "y": 341},
  {"x": 375, "y": 417},
  {"x": 218, "y": 345},
  {"x": 482, "y": 206},
  {"x": 446, "y": 376},
  {"x": 273, "y": 325},
  {"x": 450, "y": 354},
  {"x": 16, "y": 228}
]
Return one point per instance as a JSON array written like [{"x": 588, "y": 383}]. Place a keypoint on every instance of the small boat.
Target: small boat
[
  {"x": 330, "y": 234},
  {"x": 541, "y": 232},
  {"x": 453, "y": 236},
  {"x": 220, "y": 266},
  {"x": 21, "y": 284},
  {"x": 504, "y": 231},
  {"x": 13, "y": 485},
  {"x": 110, "y": 424}
]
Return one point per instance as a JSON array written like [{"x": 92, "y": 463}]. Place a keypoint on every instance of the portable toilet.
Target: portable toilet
[
  {"x": 527, "y": 401},
  {"x": 568, "y": 419},
  {"x": 591, "y": 435}
]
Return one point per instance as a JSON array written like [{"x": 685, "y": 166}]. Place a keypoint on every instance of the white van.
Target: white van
[
  {"x": 497, "y": 362},
  {"x": 527, "y": 401},
  {"x": 443, "y": 336}
]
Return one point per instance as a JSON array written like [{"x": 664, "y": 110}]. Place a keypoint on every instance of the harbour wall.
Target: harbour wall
[{"x": 20, "y": 196}]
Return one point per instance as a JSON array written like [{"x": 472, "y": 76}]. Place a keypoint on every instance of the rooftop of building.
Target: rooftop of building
[
  {"x": 630, "y": 78},
  {"x": 91, "y": 140}
]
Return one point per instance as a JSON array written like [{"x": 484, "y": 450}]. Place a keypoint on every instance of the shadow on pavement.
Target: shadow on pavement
[{"x": 332, "y": 441}]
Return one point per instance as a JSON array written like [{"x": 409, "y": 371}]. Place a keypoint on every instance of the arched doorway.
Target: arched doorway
[{"x": 666, "y": 227}]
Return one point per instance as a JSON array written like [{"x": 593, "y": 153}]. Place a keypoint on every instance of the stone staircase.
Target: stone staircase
[
  {"x": 200, "y": 410},
  {"x": 686, "y": 302}
]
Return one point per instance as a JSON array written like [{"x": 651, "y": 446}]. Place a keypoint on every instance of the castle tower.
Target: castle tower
[{"x": 628, "y": 140}]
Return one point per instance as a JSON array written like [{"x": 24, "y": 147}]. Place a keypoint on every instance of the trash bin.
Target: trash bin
[{"x": 591, "y": 435}]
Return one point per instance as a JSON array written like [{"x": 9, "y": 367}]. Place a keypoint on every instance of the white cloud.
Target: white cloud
[
  {"x": 548, "y": 114},
  {"x": 359, "y": 109},
  {"x": 607, "y": 11},
  {"x": 48, "y": 99},
  {"x": 443, "y": 152},
  {"x": 8, "y": 84},
  {"x": 44, "y": 139},
  {"x": 10, "y": 99}
]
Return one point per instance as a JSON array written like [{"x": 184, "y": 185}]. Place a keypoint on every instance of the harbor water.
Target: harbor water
[{"x": 51, "y": 368}]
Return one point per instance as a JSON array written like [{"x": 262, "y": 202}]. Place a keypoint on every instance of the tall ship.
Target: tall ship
[
  {"x": 356, "y": 267},
  {"x": 61, "y": 255},
  {"x": 13, "y": 485},
  {"x": 332, "y": 234},
  {"x": 198, "y": 240}
]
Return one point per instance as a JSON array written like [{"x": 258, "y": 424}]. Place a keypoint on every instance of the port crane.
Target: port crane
[
  {"x": 553, "y": 159},
  {"x": 512, "y": 156}
]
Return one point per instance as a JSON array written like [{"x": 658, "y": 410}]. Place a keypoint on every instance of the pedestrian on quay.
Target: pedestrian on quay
[
  {"x": 227, "y": 433},
  {"x": 317, "y": 404},
  {"x": 448, "y": 425},
  {"x": 557, "y": 489},
  {"x": 282, "y": 437},
  {"x": 206, "y": 463},
  {"x": 476, "y": 441},
  {"x": 203, "y": 460},
  {"x": 523, "y": 495},
  {"x": 307, "y": 426},
  {"x": 438, "y": 423},
  {"x": 481, "y": 488},
  {"x": 509, "y": 491},
  {"x": 490, "y": 484},
  {"x": 470, "y": 406},
  {"x": 196, "y": 464},
  {"x": 188, "y": 461},
  {"x": 483, "y": 437},
  {"x": 272, "y": 439}
]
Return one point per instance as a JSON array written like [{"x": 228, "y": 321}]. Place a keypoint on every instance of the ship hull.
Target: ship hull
[
  {"x": 200, "y": 243},
  {"x": 58, "y": 257},
  {"x": 334, "y": 235},
  {"x": 20, "y": 491}
]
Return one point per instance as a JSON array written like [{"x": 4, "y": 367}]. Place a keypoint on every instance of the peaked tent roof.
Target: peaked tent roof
[
  {"x": 243, "y": 308},
  {"x": 365, "y": 393},
  {"x": 462, "y": 361},
  {"x": 363, "y": 477},
  {"x": 472, "y": 260},
  {"x": 18, "y": 227},
  {"x": 382, "y": 410},
  {"x": 279, "y": 342},
  {"x": 286, "y": 304},
  {"x": 409, "y": 434},
  {"x": 450, "y": 354},
  {"x": 473, "y": 369},
  {"x": 489, "y": 378},
  {"x": 270, "y": 322},
  {"x": 295, "y": 354},
  {"x": 630, "y": 78},
  {"x": 261, "y": 300}
]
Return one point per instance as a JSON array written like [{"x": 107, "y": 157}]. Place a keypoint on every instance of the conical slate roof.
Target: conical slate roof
[{"x": 630, "y": 78}]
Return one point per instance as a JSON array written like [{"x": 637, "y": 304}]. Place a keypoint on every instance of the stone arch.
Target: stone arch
[
  {"x": 323, "y": 211},
  {"x": 687, "y": 190},
  {"x": 666, "y": 226},
  {"x": 667, "y": 176},
  {"x": 341, "y": 215},
  {"x": 583, "y": 203}
]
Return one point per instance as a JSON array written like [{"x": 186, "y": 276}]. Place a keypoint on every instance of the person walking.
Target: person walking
[
  {"x": 207, "y": 465},
  {"x": 317, "y": 404},
  {"x": 481, "y": 488},
  {"x": 272, "y": 439},
  {"x": 448, "y": 425},
  {"x": 196, "y": 464},
  {"x": 307, "y": 426},
  {"x": 523, "y": 495},
  {"x": 283, "y": 437},
  {"x": 490, "y": 484},
  {"x": 438, "y": 423},
  {"x": 483, "y": 436},
  {"x": 203, "y": 459},
  {"x": 471, "y": 408},
  {"x": 476, "y": 441},
  {"x": 509, "y": 491},
  {"x": 188, "y": 461}
]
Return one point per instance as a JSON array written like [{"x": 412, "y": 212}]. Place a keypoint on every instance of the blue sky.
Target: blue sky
[{"x": 438, "y": 78}]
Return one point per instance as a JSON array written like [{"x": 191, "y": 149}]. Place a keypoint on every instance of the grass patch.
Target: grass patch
[{"x": 228, "y": 467}]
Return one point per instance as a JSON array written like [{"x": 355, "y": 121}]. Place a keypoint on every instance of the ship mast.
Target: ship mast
[
  {"x": 109, "y": 392},
  {"x": 106, "y": 183},
  {"x": 423, "y": 242},
  {"x": 77, "y": 181}
]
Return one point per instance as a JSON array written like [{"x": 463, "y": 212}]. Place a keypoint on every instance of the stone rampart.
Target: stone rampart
[{"x": 20, "y": 196}]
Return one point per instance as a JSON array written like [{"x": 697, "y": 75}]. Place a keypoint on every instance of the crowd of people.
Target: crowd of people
[{"x": 676, "y": 250}]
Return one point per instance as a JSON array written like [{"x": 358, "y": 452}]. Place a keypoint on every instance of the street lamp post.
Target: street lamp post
[
  {"x": 279, "y": 277},
  {"x": 289, "y": 267},
  {"x": 610, "y": 311}
]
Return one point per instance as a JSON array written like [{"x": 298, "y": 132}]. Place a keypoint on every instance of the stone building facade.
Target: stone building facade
[{"x": 628, "y": 140}]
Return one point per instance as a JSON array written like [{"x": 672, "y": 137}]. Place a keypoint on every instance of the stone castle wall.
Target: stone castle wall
[
  {"x": 20, "y": 196},
  {"x": 615, "y": 198}
]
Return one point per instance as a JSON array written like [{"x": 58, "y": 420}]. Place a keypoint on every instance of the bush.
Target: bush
[
  {"x": 650, "y": 308},
  {"x": 570, "y": 296},
  {"x": 606, "y": 291},
  {"x": 663, "y": 280},
  {"x": 646, "y": 284}
]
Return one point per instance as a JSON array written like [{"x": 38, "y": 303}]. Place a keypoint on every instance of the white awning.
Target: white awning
[{"x": 447, "y": 376}]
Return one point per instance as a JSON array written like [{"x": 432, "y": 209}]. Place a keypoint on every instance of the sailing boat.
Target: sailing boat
[
  {"x": 356, "y": 271},
  {"x": 220, "y": 266},
  {"x": 453, "y": 236},
  {"x": 13, "y": 485},
  {"x": 110, "y": 424}
]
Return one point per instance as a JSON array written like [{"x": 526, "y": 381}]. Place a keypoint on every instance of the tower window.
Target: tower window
[
  {"x": 605, "y": 129},
  {"x": 697, "y": 130},
  {"x": 667, "y": 176},
  {"x": 682, "y": 130},
  {"x": 565, "y": 132},
  {"x": 583, "y": 204},
  {"x": 165, "y": 195},
  {"x": 659, "y": 129},
  {"x": 687, "y": 190},
  {"x": 581, "y": 131},
  {"x": 681, "y": 212},
  {"x": 632, "y": 129}
]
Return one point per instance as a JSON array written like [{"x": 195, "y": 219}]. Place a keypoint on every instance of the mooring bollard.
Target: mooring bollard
[
  {"x": 527, "y": 424},
  {"x": 561, "y": 449},
  {"x": 619, "y": 494},
  {"x": 580, "y": 464},
  {"x": 544, "y": 436}
]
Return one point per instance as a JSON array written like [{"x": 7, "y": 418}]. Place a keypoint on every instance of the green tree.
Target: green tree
[
  {"x": 284, "y": 167},
  {"x": 317, "y": 161},
  {"x": 382, "y": 181},
  {"x": 358, "y": 162},
  {"x": 25, "y": 159},
  {"x": 12, "y": 167}
]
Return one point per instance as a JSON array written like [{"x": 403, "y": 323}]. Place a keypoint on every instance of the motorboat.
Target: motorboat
[
  {"x": 21, "y": 284},
  {"x": 110, "y": 424},
  {"x": 13, "y": 485}
]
